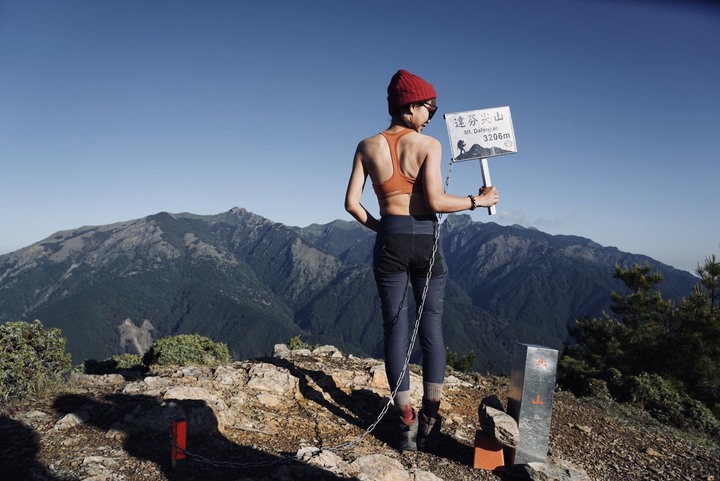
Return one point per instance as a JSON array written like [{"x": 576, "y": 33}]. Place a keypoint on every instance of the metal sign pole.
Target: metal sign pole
[{"x": 486, "y": 180}]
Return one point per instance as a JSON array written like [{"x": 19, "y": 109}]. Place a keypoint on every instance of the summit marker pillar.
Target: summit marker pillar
[{"x": 530, "y": 398}]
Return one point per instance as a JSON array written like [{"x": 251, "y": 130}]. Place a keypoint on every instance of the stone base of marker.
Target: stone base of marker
[
  {"x": 499, "y": 435},
  {"x": 495, "y": 422},
  {"x": 549, "y": 471}
]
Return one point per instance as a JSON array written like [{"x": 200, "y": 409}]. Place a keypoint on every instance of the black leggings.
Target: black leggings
[{"x": 403, "y": 247}]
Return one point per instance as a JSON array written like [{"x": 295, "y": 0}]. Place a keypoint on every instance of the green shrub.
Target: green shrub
[
  {"x": 297, "y": 343},
  {"x": 463, "y": 364},
  {"x": 598, "y": 388},
  {"x": 128, "y": 361},
  {"x": 574, "y": 374},
  {"x": 667, "y": 403},
  {"x": 655, "y": 395},
  {"x": 33, "y": 359},
  {"x": 699, "y": 416},
  {"x": 186, "y": 349},
  {"x": 114, "y": 364},
  {"x": 466, "y": 363}
]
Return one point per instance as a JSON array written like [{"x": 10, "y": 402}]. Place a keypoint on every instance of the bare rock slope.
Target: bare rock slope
[{"x": 265, "y": 419}]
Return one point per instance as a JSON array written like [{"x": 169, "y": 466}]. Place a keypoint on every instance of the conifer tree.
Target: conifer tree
[
  {"x": 630, "y": 342},
  {"x": 649, "y": 335},
  {"x": 696, "y": 337}
]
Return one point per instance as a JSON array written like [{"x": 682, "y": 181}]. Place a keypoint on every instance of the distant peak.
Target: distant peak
[{"x": 458, "y": 220}]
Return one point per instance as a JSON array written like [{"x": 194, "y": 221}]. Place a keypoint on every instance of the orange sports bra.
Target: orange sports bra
[{"x": 398, "y": 183}]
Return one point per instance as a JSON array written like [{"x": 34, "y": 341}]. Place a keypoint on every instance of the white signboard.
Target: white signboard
[{"x": 479, "y": 134}]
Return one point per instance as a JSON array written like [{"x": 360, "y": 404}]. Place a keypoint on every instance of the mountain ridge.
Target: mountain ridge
[{"x": 240, "y": 278}]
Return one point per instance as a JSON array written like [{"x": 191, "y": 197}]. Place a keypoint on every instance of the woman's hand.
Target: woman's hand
[{"x": 487, "y": 197}]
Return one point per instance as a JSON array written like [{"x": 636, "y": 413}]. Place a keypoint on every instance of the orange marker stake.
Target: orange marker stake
[{"x": 179, "y": 441}]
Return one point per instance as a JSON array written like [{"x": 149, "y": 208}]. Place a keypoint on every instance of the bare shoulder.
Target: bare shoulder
[
  {"x": 370, "y": 145},
  {"x": 424, "y": 142},
  {"x": 432, "y": 141}
]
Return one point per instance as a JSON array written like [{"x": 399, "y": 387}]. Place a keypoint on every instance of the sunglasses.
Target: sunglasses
[{"x": 431, "y": 109}]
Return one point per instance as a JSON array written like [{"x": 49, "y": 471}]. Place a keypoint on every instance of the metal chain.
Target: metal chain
[
  {"x": 385, "y": 409},
  {"x": 413, "y": 338},
  {"x": 226, "y": 464}
]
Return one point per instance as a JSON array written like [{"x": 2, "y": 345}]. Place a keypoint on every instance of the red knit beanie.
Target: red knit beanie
[{"x": 406, "y": 88}]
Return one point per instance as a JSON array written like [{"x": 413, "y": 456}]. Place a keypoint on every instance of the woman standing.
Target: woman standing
[{"x": 404, "y": 166}]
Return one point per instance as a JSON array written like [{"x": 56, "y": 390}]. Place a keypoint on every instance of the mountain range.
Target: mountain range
[{"x": 242, "y": 279}]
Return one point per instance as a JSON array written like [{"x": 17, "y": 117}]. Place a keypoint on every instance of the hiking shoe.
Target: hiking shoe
[
  {"x": 428, "y": 432},
  {"x": 408, "y": 434}
]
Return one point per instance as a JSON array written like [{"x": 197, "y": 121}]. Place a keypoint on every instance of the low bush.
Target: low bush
[
  {"x": 115, "y": 364},
  {"x": 32, "y": 359},
  {"x": 463, "y": 364},
  {"x": 296, "y": 343},
  {"x": 186, "y": 349},
  {"x": 128, "y": 361},
  {"x": 667, "y": 403}
]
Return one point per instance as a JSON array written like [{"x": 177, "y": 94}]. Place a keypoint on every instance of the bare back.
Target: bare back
[{"x": 413, "y": 150}]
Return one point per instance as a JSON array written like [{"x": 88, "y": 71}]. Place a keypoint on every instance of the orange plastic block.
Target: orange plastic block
[{"x": 488, "y": 453}]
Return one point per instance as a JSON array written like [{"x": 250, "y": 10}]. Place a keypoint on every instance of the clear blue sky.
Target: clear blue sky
[{"x": 114, "y": 110}]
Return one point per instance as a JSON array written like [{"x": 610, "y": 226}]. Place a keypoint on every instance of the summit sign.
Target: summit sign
[{"x": 479, "y": 134}]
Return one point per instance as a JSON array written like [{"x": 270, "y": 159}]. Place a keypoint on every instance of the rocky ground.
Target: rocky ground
[{"x": 263, "y": 420}]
